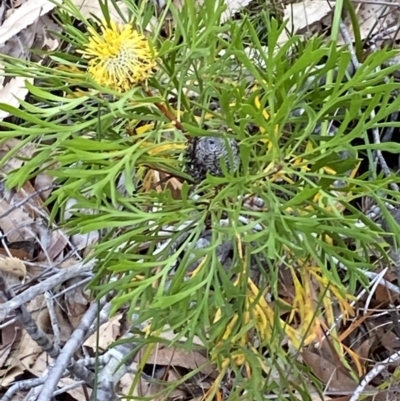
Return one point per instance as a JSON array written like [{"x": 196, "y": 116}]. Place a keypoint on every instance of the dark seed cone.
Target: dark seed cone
[{"x": 205, "y": 155}]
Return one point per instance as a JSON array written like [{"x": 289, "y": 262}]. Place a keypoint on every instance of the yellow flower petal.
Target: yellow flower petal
[{"x": 120, "y": 57}]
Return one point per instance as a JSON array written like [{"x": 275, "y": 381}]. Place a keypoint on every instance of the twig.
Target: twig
[
  {"x": 375, "y": 278},
  {"x": 376, "y": 3},
  {"x": 72, "y": 287},
  {"x": 90, "y": 362},
  {"x": 347, "y": 39},
  {"x": 53, "y": 318},
  {"x": 113, "y": 371},
  {"x": 70, "y": 387},
  {"x": 372, "y": 374},
  {"x": 390, "y": 286},
  {"x": 46, "y": 285},
  {"x": 387, "y": 137},
  {"x": 34, "y": 331},
  {"x": 25, "y": 200},
  {"x": 22, "y": 385},
  {"x": 375, "y": 132},
  {"x": 166, "y": 112},
  {"x": 104, "y": 316},
  {"x": 379, "y": 156},
  {"x": 40, "y": 337},
  {"x": 386, "y": 32},
  {"x": 8, "y": 323},
  {"x": 373, "y": 288},
  {"x": 64, "y": 359}
]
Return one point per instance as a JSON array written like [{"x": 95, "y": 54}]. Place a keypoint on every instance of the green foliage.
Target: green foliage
[{"x": 84, "y": 136}]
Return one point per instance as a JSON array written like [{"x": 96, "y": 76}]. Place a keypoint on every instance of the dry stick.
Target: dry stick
[
  {"x": 72, "y": 287},
  {"x": 113, "y": 371},
  {"x": 347, "y": 39},
  {"x": 380, "y": 367},
  {"x": 386, "y": 32},
  {"x": 25, "y": 200},
  {"x": 166, "y": 112},
  {"x": 70, "y": 387},
  {"x": 380, "y": 157},
  {"x": 44, "y": 286},
  {"x": 8, "y": 323},
  {"x": 44, "y": 215},
  {"x": 41, "y": 338},
  {"x": 22, "y": 386},
  {"x": 33, "y": 393},
  {"x": 53, "y": 318},
  {"x": 34, "y": 331},
  {"x": 104, "y": 316},
  {"x": 376, "y": 3},
  {"x": 2, "y": 12},
  {"x": 91, "y": 362},
  {"x": 28, "y": 384},
  {"x": 64, "y": 359},
  {"x": 375, "y": 132}
]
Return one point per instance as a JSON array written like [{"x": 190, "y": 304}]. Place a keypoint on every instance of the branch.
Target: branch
[
  {"x": 44, "y": 286},
  {"x": 66, "y": 356},
  {"x": 113, "y": 371}
]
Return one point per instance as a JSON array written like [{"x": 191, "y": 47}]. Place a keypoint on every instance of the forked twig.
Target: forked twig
[
  {"x": 166, "y": 112},
  {"x": 375, "y": 132},
  {"x": 65, "y": 359}
]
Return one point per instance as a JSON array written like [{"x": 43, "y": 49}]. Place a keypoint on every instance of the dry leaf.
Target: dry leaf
[
  {"x": 43, "y": 37},
  {"x": 126, "y": 381},
  {"x": 16, "y": 253},
  {"x": 13, "y": 270},
  {"x": 12, "y": 92},
  {"x": 77, "y": 298},
  {"x": 63, "y": 324},
  {"x": 28, "y": 350},
  {"x": 40, "y": 364},
  {"x": 16, "y": 225},
  {"x": 92, "y": 7},
  {"x": 76, "y": 301},
  {"x": 390, "y": 341},
  {"x": 18, "y": 46},
  {"x": 233, "y": 6},
  {"x": 368, "y": 18},
  {"x": 42, "y": 181},
  {"x": 108, "y": 333},
  {"x": 178, "y": 357},
  {"x": 328, "y": 373},
  {"x": 14, "y": 163},
  {"x": 56, "y": 244},
  {"x": 9, "y": 335},
  {"x": 7, "y": 376},
  {"x": 304, "y": 15},
  {"x": 76, "y": 392},
  {"x": 85, "y": 241},
  {"x": 20, "y": 359},
  {"x": 24, "y": 16},
  {"x": 169, "y": 335},
  {"x": 39, "y": 312},
  {"x": 4, "y": 353},
  {"x": 81, "y": 241}
]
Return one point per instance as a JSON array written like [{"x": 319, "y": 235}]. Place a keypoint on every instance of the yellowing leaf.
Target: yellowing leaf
[
  {"x": 144, "y": 128},
  {"x": 266, "y": 116},
  {"x": 199, "y": 267},
  {"x": 157, "y": 149}
]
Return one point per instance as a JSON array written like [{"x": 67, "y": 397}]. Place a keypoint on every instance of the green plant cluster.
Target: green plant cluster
[{"x": 88, "y": 137}]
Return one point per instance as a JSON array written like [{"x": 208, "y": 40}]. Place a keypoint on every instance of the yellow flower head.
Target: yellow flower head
[{"x": 120, "y": 57}]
